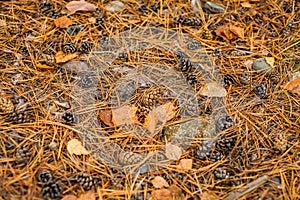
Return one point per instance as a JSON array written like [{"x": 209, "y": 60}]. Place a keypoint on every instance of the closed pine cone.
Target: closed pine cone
[
  {"x": 152, "y": 96},
  {"x": 6, "y": 105}
]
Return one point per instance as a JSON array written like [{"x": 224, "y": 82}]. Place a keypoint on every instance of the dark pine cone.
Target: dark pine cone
[
  {"x": 54, "y": 14},
  {"x": 216, "y": 156},
  {"x": 225, "y": 143},
  {"x": 22, "y": 155},
  {"x": 224, "y": 122},
  {"x": 192, "y": 79},
  {"x": 100, "y": 23},
  {"x": 221, "y": 173},
  {"x": 143, "y": 9},
  {"x": 142, "y": 112},
  {"x": 261, "y": 91},
  {"x": 85, "y": 47},
  {"x": 6, "y": 105},
  {"x": 44, "y": 176},
  {"x": 188, "y": 21},
  {"x": 18, "y": 117},
  {"x": 203, "y": 151},
  {"x": 68, "y": 118},
  {"x": 69, "y": 47},
  {"x": 51, "y": 190},
  {"x": 87, "y": 182},
  {"x": 228, "y": 80},
  {"x": 45, "y": 7},
  {"x": 185, "y": 65}
]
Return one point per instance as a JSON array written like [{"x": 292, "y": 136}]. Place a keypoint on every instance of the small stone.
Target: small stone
[
  {"x": 114, "y": 6},
  {"x": 53, "y": 146},
  {"x": 261, "y": 65}
]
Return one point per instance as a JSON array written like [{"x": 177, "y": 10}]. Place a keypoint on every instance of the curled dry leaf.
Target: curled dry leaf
[
  {"x": 173, "y": 152},
  {"x": 82, "y": 5},
  {"x": 229, "y": 32},
  {"x": 63, "y": 22},
  {"x": 75, "y": 147},
  {"x": 237, "y": 31},
  {"x": 160, "y": 114},
  {"x": 60, "y": 57},
  {"x": 124, "y": 115},
  {"x": 106, "y": 117},
  {"x": 159, "y": 182},
  {"x": 44, "y": 66},
  {"x": 185, "y": 164},
  {"x": 293, "y": 86},
  {"x": 89, "y": 195}
]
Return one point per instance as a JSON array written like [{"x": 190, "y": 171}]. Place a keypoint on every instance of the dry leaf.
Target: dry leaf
[
  {"x": 106, "y": 117},
  {"x": 161, "y": 194},
  {"x": 213, "y": 89},
  {"x": 185, "y": 164},
  {"x": 237, "y": 31},
  {"x": 114, "y": 6},
  {"x": 82, "y": 5},
  {"x": 160, "y": 114},
  {"x": 293, "y": 86},
  {"x": 176, "y": 193},
  {"x": 2, "y": 22},
  {"x": 246, "y": 5},
  {"x": 89, "y": 195},
  {"x": 60, "y": 57},
  {"x": 124, "y": 115},
  {"x": 173, "y": 152},
  {"x": 159, "y": 182},
  {"x": 75, "y": 147},
  {"x": 224, "y": 32},
  {"x": 92, "y": 20},
  {"x": 43, "y": 66},
  {"x": 63, "y": 22},
  {"x": 209, "y": 196},
  {"x": 69, "y": 197},
  {"x": 270, "y": 61}
]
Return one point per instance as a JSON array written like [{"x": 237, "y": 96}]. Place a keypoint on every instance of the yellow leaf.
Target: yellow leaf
[
  {"x": 63, "y": 22},
  {"x": 159, "y": 182},
  {"x": 246, "y": 5},
  {"x": 75, "y": 147},
  {"x": 89, "y": 195},
  {"x": 293, "y": 86},
  {"x": 124, "y": 115},
  {"x": 270, "y": 61},
  {"x": 185, "y": 164},
  {"x": 60, "y": 57},
  {"x": 43, "y": 66}
]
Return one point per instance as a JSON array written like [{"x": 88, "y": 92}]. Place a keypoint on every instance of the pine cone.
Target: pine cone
[
  {"x": 51, "y": 190},
  {"x": 216, "y": 156},
  {"x": 68, "y": 118},
  {"x": 22, "y": 155},
  {"x": 85, "y": 47},
  {"x": 45, "y": 7},
  {"x": 203, "y": 151},
  {"x": 44, "y": 176},
  {"x": 69, "y": 47},
  {"x": 19, "y": 117},
  {"x": 6, "y": 105},
  {"x": 221, "y": 173},
  {"x": 87, "y": 182},
  {"x": 151, "y": 96},
  {"x": 225, "y": 144},
  {"x": 184, "y": 65}
]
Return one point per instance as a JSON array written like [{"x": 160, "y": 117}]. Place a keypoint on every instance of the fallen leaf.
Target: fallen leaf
[
  {"x": 173, "y": 152},
  {"x": 161, "y": 194},
  {"x": 92, "y": 20},
  {"x": 176, "y": 193},
  {"x": 114, "y": 6},
  {"x": 63, "y": 22},
  {"x": 224, "y": 32},
  {"x": 213, "y": 89},
  {"x": 89, "y": 195},
  {"x": 69, "y": 197},
  {"x": 75, "y": 147},
  {"x": 246, "y": 5},
  {"x": 185, "y": 164},
  {"x": 270, "y": 61},
  {"x": 60, "y": 57},
  {"x": 82, "y": 5},
  {"x": 124, "y": 115},
  {"x": 106, "y": 117},
  {"x": 237, "y": 31},
  {"x": 2, "y": 22},
  {"x": 209, "y": 196},
  {"x": 293, "y": 86},
  {"x": 43, "y": 66},
  {"x": 160, "y": 114},
  {"x": 159, "y": 182}
]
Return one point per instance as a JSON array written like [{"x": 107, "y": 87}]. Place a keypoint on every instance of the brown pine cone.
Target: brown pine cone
[
  {"x": 6, "y": 105},
  {"x": 18, "y": 117},
  {"x": 152, "y": 96}
]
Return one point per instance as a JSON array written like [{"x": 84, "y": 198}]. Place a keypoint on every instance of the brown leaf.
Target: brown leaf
[
  {"x": 162, "y": 114},
  {"x": 270, "y": 61},
  {"x": 176, "y": 193},
  {"x": 82, "y": 5},
  {"x": 224, "y": 32},
  {"x": 161, "y": 194},
  {"x": 208, "y": 196},
  {"x": 106, "y": 117},
  {"x": 213, "y": 89},
  {"x": 43, "y": 66},
  {"x": 237, "y": 31},
  {"x": 124, "y": 115},
  {"x": 185, "y": 164},
  {"x": 293, "y": 86},
  {"x": 75, "y": 147},
  {"x": 173, "y": 152},
  {"x": 60, "y": 57},
  {"x": 69, "y": 197},
  {"x": 159, "y": 182},
  {"x": 89, "y": 195},
  {"x": 246, "y": 5},
  {"x": 63, "y": 22}
]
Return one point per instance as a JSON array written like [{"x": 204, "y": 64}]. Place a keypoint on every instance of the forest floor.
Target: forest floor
[{"x": 254, "y": 47}]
